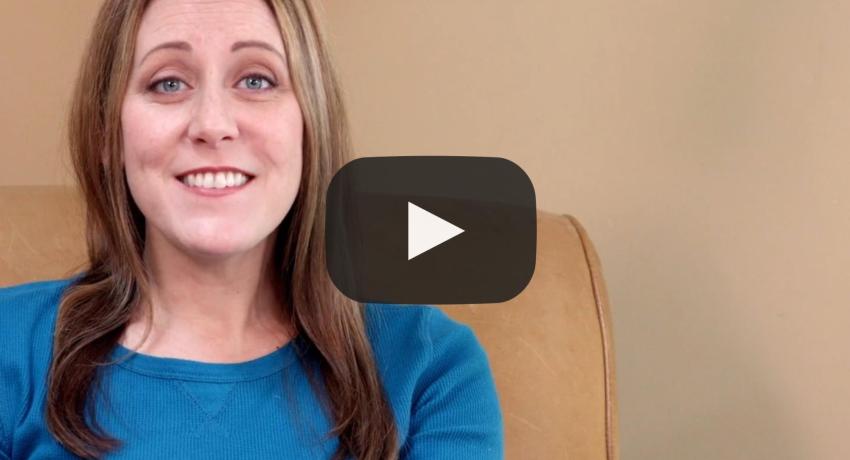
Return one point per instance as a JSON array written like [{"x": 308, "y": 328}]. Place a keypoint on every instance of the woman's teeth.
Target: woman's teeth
[{"x": 215, "y": 180}]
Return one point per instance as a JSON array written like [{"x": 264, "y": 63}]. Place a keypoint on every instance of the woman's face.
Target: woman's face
[{"x": 210, "y": 93}]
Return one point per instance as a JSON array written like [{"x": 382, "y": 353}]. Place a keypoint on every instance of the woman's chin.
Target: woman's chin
[
  {"x": 218, "y": 246},
  {"x": 216, "y": 253}
]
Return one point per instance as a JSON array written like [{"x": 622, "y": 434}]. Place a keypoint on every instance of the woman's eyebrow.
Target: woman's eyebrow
[{"x": 185, "y": 46}]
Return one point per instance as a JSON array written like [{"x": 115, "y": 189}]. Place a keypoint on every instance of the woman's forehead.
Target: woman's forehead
[{"x": 207, "y": 22}]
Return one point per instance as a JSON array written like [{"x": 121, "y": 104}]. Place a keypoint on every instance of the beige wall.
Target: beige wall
[
  {"x": 703, "y": 144},
  {"x": 41, "y": 42}
]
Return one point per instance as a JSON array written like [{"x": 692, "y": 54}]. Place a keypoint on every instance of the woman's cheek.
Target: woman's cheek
[{"x": 148, "y": 134}]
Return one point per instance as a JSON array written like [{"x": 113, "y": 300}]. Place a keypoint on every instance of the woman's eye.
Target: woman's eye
[
  {"x": 169, "y": 85},
  {"x": 254, "y": 81},
  {"x": 172, "y": 85}
]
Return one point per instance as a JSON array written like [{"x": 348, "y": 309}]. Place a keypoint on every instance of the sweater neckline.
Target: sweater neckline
[{"x": 201, "y": 371}]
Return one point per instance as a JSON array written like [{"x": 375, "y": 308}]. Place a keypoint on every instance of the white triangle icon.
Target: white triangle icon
[{"x": 425, "y": 230}]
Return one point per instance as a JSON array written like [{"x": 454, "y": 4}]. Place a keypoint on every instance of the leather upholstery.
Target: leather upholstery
[{"x": 550, "y": 348}]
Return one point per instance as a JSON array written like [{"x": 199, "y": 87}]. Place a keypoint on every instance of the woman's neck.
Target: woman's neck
[{"x": 212, "y": 310}]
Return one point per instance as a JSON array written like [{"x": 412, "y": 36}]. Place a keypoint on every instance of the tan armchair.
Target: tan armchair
[{"x": 551, "y": 347}]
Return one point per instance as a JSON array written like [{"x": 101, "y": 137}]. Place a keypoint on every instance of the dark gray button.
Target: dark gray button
[{"x": 431, "y": 230}]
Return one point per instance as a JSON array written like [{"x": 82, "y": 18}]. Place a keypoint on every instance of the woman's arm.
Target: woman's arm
[
  {"x": 27, "y": 314},
  {"x": 455, "y": 411},
  {"x": 5, "y": 442}
]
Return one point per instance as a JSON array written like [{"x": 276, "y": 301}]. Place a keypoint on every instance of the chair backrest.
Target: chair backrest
[{"x": 551, "y": 348}]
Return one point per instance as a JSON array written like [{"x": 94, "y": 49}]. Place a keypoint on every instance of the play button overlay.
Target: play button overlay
[
  {"x": 425, "y": 230},
  {"x": 431, "y": 230}
]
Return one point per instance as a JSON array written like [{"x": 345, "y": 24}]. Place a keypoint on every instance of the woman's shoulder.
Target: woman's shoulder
[
  {"x": 24, "y": 305},
  {"x": 415, "y": 325},
  {"x": 27, "y": 316},
  {"x": 35, "y": 287},
  {"x": 439, "y": 379},
  {"x": 423, "y": 337}
]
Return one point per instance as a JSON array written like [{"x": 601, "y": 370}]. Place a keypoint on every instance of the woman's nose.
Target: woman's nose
[{"x": 211, "y": 121}]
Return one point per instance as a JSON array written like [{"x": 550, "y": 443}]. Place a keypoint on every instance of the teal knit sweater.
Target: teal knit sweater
[{"x": 435, "y": 374}]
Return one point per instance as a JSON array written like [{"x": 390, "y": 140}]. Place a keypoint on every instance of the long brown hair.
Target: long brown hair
[{"x": 98, "y": 304}]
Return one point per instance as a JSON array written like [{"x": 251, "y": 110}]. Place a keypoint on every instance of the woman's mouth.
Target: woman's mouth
[{"x": 215, "y": 183}]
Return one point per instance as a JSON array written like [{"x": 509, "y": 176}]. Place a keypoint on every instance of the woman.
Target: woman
[{"x": 203, "y": 135}]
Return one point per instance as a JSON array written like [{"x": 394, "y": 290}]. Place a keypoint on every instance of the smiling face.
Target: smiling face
[{"x": 210, "y": 91}]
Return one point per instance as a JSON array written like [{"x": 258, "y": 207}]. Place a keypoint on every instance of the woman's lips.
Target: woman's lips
[{"x": 214, "y": 192}]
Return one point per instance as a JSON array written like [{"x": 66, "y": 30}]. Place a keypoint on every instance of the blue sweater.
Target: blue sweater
[{"x": 435, "y": 373}]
